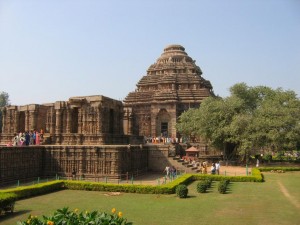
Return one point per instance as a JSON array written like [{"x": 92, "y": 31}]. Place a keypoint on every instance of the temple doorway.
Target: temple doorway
[
  {"x": 163, "y": 120},
  {"x": 164, "y": 129}
]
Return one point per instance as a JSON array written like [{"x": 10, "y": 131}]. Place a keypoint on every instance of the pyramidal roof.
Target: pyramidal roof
[{"x": 174, "y": 77}]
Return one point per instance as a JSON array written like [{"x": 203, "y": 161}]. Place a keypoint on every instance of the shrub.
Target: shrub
[
  {"x": 208, "y": 182},
  {"x": 182, "y": 191},
  {"x": 225, "y": 180},
  {"x": 65, "y": 216},
  {"x": 222, "y": 187},
  {"x": 7, "y": 201},
  {"x": 201, "y": 187}
]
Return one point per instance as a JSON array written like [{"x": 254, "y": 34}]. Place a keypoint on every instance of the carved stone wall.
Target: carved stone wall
[{"x": 89, "y": 162}]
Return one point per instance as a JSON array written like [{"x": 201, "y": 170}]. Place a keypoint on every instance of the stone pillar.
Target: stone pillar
[
  {"x": 115, "y": 164},
  {"x": 79, "y": 121},
  {"x": 27, "y": 120},
  {"x": 128, "y": 122},
  {"x": 84, "y": 122},
  {"x": 32, "y": 120},
  {"x": 16, "y": 121},
  {"x": 58, "y": 122},
  {"x": 98, "y": 120},
  {"x": 3, "y": 120},
  {"x": 51, "y": 121},
  {"x": 69, "y": 121}
]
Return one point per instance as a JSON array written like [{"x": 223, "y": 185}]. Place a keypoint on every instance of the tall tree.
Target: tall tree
[
  {"x": 4, "y": 100},
  {"x": 249, "y": 119}
]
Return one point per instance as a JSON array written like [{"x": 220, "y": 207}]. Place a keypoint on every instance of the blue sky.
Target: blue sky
[{"x": 54, "y": 50}]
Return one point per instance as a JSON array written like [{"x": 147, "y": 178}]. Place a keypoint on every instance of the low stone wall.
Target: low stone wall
[{"x": 84, "y": 162}]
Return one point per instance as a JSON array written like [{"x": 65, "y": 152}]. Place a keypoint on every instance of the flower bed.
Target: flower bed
[{"x": 65, "y": 216}]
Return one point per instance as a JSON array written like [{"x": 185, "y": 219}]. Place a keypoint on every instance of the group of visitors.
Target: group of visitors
[
  {"x": 162, "y": 140},
  {"x": 32, "y": 137},
  {"x": 170, "y": 171},
  {"x": 214, "y": 169}
]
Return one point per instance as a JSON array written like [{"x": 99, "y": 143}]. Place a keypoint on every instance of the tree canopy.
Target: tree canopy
[
  {"x": 4, "y": 99},
  {"x": 250, "y": 118}
]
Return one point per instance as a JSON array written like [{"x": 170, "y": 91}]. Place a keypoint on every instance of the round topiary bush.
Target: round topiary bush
[
  {"x": 182, "y": 191},
  {"x": 208, "y": 182},
  {"x": 222, "y": 186},
  {"x": 202, "y": 186}
]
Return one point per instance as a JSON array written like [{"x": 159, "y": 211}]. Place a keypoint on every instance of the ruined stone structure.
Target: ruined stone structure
[
  {"x": 85, "y": 120},
  {"x": 172, "y": 85},
  {"x": 97, "y": 136}
]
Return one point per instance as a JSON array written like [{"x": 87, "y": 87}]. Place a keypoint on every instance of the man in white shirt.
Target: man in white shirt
[{"x": 218, "y": 168}]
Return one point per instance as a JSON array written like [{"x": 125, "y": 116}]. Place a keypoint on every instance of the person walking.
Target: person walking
[
  {"x": 167, "y": 170},
  {"x": 218, "y": 168}
]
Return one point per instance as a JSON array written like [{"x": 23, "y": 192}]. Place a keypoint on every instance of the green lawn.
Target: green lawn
[{"x": 246, "y": 203}]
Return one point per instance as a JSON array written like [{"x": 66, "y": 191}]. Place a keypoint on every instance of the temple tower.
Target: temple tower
[{"x": 172, "y": 85}]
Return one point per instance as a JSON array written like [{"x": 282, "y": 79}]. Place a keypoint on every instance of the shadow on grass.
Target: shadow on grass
[
  {"x": 7, "y": 216},
  {"x": 191, "y": 196},
  {"x": 228, "y": 189}
]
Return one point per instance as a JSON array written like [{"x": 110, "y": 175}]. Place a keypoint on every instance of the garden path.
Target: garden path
[{"x": 158, "y": 178}]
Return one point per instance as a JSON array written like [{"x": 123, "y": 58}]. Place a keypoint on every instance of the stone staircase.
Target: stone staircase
[{"x": 182, "y": 166}]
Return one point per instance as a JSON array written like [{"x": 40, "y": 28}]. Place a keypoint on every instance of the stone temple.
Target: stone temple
[
  {"x": 97, "y": 136},
  {"x": 172, "y": 85}
]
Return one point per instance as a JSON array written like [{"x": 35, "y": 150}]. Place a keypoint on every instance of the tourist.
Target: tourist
[
  {"x": 15, "y": 140},
  {"x": 31, "y": 137},
  {"x": 37, "y": 138},
  {"x": 167, "y": 170},
  {"x": 42, "y": 134},
  {"x": 213, "y": 169},
  {"x": 27, "y": 138},
  {"x": 218, "y": 168},
  {"x": 204, "y": 168},
  {"x": 174, "y": 172},
  {"x": 22, "y": 140},
  {"x": 74, "y": 174}
]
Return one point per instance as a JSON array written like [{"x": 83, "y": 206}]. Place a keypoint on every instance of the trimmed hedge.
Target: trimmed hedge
[
  {"x": 267, "y": 169},
  {"x": 6, "y": 200},
  {"x": 170, "y": 188},
  {"x": 36, "y": 189},
  {"x": 256, "y": 177},
  {"x": 131, "y": 188}
]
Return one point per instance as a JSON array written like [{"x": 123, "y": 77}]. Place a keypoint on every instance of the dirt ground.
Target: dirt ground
[{"x": 159, "y": 178}]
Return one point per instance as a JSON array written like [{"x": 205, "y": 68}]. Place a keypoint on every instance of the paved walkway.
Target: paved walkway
[{"x": 158, "y": 178}]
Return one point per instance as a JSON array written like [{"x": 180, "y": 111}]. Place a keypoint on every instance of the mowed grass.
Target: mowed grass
[{"x": 276, "y": 201}]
